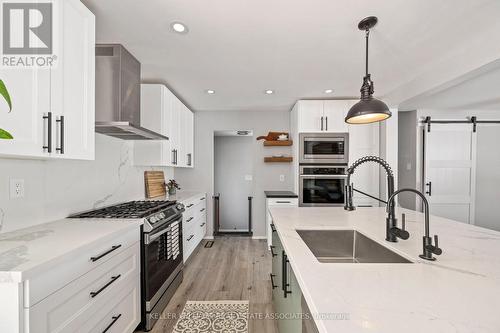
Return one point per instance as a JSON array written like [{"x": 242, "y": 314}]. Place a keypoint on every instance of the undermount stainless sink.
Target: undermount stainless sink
[{"x": 348, "y": 246}]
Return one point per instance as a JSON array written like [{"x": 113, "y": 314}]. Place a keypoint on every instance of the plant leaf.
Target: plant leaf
[
  {"x": 5, "y": 135},
  {"x": 5, "y": 93}
]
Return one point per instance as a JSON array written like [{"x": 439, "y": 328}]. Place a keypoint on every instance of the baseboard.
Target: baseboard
[{"x": 259, "y": 237}]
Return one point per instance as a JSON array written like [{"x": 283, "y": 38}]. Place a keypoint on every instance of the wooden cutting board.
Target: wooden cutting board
[{"x": 155, "y": 184}]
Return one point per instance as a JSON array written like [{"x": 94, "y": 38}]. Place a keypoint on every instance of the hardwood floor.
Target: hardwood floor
[{"x": 235, "y": 268}]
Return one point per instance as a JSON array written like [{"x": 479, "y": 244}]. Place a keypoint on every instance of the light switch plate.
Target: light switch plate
[
  {"x": 16, "y": 188},
  {"x": 282, "y": 178}
]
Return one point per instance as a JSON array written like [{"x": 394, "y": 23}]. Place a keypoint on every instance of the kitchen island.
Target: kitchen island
[{"x": 460, "y": 292}]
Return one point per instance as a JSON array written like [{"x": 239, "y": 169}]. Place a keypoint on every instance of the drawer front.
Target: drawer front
[
  {"x": 90, "y": 290},
  {"x": 283, "y": 202},
  {"x": 47, "y": 283},
  {"x": 191, "y": 202},
  {"x": 120, "y": 315}
]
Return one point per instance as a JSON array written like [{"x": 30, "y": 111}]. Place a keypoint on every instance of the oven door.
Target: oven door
[
  {"x": 324, "y": 148},
  {"x": 321, "y": 190},
  {"x": 162, "y": 260}
]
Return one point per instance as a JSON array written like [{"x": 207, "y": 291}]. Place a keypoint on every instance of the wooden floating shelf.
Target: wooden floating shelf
[
  {"x": 278, "y": 143},
  {"x": 278, "y": 159}
]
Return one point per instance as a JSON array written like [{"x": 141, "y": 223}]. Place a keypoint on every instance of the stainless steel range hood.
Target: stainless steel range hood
[{"x": 118, "y": 95}]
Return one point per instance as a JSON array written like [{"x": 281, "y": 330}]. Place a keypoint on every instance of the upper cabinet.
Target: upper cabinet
[
  {"x": 53, "y": 108},
  {"x": 164, "y": 113},
  {"x": 322, "y": 115}
]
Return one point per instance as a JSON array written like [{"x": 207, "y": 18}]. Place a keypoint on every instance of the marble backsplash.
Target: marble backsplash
[{"x": 55, "y": 189}]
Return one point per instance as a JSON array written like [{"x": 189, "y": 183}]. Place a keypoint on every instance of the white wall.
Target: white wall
[
  {"x": 54, "y": 189},
  {"x": 266, "y": 175},
  {"x": 233, "y": 163}
]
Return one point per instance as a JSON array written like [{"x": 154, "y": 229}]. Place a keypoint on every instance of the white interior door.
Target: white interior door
[{"x": 450, "y": 162}]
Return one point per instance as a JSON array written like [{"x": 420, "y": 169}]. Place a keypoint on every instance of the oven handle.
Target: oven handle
[
  {"x": 148, "y": 239},
  {"x": 324, "y": 176}
]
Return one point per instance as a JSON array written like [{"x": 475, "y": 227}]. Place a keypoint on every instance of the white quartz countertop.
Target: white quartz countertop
[
  {"x": 460, "y": 292},
  {"x": 24, "y": 251}
]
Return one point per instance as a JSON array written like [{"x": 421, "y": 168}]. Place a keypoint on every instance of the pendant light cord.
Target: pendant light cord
[{"x": 367, "y": 35}]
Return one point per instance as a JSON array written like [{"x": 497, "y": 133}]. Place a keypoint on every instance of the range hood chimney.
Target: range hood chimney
[{"x": 118, "y": 94}]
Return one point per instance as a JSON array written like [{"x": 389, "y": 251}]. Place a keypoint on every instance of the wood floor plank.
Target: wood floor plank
[{"x": 235, "y": 268}]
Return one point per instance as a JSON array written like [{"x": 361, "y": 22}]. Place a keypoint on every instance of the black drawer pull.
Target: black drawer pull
[
  {"x": 272, "y": 281},
  {"x": 202, "y": 198},
  {"x": 61, "y": 129},
  {"x": 273, "y": 229},
  {"x": 203, "y": 224},
  {"x": 202, "y": 210},
  {"x": 48, "y": 117},
  {"x": 114, "y": 247},
  {"x": 190, "y": 205},
  {"x": 115, "y": 319},
  {"x": 272, "y": 252},
  {"x": 283, "y": 202},
  {"x": 190, "y": 219},
  {"x": 190, "y": 237},
  {"x": 285, "y": 275},
  {"x": 113, "y": 279}
]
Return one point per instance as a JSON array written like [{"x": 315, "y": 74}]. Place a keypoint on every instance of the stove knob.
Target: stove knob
[
  {"x": 180, "y": 206},
  {"x": 161, "y": 216},
  {"x": 153, "y": 219}
]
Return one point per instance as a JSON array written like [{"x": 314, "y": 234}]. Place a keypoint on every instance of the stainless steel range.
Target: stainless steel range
[{"x": 161, "y": 250}]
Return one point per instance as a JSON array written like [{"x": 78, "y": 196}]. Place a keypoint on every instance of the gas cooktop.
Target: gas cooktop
[{"x": 127, "y": 210}]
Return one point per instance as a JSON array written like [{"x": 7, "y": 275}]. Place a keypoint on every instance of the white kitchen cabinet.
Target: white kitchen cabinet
[
  {"x": 364, "y": 141},
  {"x": 53, "y": 109},
  {"x": 73, "y": 83},
  {"x": 194, "y": 223},
  {"x": 156, "y": 108},
  {"x": 276, "y": 202},
  {"x": 164, "y": 113},
  {"x": 322, "y": 116}
]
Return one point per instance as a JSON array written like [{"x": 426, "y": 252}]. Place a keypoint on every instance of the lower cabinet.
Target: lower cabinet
[
  {"x": 287, "y": 296},
  {"x": 194, "y": 223},
  {"x": 276, "y": 202}
]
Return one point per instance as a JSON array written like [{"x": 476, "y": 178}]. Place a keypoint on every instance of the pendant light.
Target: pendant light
[{"x": 368, "y": 109}]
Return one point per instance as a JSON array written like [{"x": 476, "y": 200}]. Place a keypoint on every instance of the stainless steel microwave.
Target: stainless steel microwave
[{"x": 324, "y": 148}]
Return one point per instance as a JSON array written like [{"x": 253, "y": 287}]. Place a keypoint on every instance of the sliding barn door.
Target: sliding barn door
[{"x": 450, "y": 162}]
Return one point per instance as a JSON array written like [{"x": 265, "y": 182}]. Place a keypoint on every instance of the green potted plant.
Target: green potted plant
[
  {"x": 5, "y": 94},
  {"x": 172, "y": 186}
]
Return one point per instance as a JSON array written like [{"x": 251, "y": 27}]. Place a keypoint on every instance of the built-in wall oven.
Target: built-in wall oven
[
  {"x": 324, "y": 148},
  {"x": 322, "y": 185}
]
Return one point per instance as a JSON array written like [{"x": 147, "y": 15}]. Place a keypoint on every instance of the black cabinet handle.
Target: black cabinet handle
[
  {"x": 321, "y": 123},
  {"x": 326, "y": 121},
  {"x": 202, "y": 210},
  {"x": 49, "y": 132},
  {"x": 190, "y": 219},
  {"x": 190, "y": 205},
  {"x": 202, "y": 198},
  {"x": 429, "y": 191},
  {"x": 272, "y": 252},
  {"x": 61, "y": 132},
  {"x": 273, "y": 229},
  {"x": 203, "y": 224},
  {"x": 272, "y": 281},
  {"x": 113, "y": 248},
  {"x": 113, "y": 279},
  {"x": 173, "y": 156},
  {"x": 285, "y": 275},
  {"x": 115, "y": 319},
  {"x": 190, "y": 237},
  {"x": 283, "y": 202}
]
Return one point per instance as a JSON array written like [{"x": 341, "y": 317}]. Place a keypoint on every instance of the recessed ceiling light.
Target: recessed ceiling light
[
  {"x": 210, "y": 91},
  {"x": 328, "y": 91},
  {"x": 179, "y": 27},
  {"x": 269, "y": 92}
]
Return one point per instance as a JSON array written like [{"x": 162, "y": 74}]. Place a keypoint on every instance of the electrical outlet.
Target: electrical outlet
[
  {"x": 248, "y": 178},
  {"x": 282, "y": 178},
  {"x": 16, "y": 188}
]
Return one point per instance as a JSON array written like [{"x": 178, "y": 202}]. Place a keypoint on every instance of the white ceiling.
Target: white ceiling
[{"x": 239, "y": 48}]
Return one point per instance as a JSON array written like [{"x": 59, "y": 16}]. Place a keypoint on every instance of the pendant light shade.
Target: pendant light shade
[{"x": 368, "y": 109}]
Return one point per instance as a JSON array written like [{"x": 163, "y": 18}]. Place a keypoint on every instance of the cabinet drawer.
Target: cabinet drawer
[
  {"x": 89, "y": 291},
  {"x": 121, "y": 314},
  {"x": 47, "y": 282},
  {"x": 194, "y": 213},
  {"x": 283, "y": 202},
  {"x": 193, "y": 201}
]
